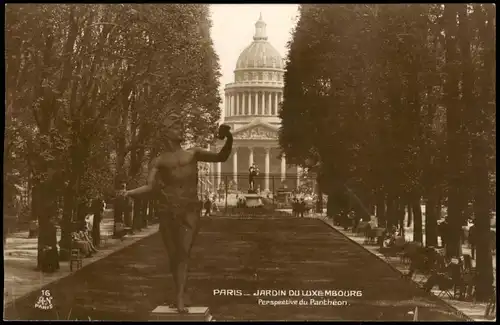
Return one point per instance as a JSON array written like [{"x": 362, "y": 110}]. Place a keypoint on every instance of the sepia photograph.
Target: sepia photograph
[{"x": 250, "y": 162}]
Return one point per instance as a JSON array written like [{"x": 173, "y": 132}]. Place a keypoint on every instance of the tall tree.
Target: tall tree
[
  {"x": 481, "y": 111},
  {"x": 87, "y": 89}
]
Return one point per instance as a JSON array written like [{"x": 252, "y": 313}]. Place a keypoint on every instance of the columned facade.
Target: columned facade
[
  {"x": 251, "y": 109},
  {"x": 247, "y": 100}
]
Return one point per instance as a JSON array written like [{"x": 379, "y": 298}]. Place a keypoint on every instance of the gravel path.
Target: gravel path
[{"x": 243, "y": 254}]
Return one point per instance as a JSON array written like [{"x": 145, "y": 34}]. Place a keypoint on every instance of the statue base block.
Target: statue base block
[
  {"x": 165, "y": 313},
  {"x": 253, "y": 200}
]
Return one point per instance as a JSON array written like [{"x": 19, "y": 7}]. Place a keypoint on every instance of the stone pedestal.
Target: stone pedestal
[
  {"x": 165, "y": 313},
  {"x": 253, "y": 200}
]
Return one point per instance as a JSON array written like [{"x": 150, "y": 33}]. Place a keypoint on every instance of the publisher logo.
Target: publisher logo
[{"x": 44, "y": 302}]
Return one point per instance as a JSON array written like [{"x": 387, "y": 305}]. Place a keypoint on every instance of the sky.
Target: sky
[{"x": 234, "y": 26}]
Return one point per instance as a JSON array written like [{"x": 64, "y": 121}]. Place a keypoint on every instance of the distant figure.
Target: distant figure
[
  {"x": 120, "y": 206},
  {"x": 208, "y": 207},
  {"x": 352, "y": 219},
  {"x": 252, "y": 172},
  {"x": 443, "y": 230},
  {"x": 295, "y": 207},
  {"x": 82, "y": 242},
  {"x": 373, "y": 222},
  {"x": 302, "y": 207},
  {"x": 222, "y": 190},
  {"x": 33, "y": 229},
  {"x": 49, "y": 261},
  {"x": 473, "y": 240},
  {"x": 445, "y": 276}
]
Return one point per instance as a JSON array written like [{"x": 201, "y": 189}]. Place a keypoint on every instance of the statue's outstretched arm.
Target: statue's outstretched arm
[
  {"x": 223, "y": 154},
  {"x": 150, "y": 182}
]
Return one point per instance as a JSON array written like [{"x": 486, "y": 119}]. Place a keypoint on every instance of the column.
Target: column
[
  {"x": 238, "y": 104},
  {"x": 275, "y": 104},
  {"x": 256, "y": 103},
  {"x": 250, "y": 103},
  {"x": 232, "y": 109},
  {"x": 230, "y": 105},
  {"x": 250, "y": 157},
  {"x": 235, "y": 166},
  {"x": 244, "y": 95},
  {"x": 266, "y": 169},
  {"x": 263, "y": 100},
  {"x": 217, "y": 182},
  {"x": 269, "y": 103},
  {"x": 283, "y": 167},
  {"x": 242, "y": 107},
  {"x": 226, "y": 112}
]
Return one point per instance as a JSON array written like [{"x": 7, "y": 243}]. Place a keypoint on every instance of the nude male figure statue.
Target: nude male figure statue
[{"x": 173, "y": 180}]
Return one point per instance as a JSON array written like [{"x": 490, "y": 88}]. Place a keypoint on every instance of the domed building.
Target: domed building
[{"x": 251, "y": 109}]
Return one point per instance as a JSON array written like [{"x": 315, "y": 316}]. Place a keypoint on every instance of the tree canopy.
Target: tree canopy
[
  {"x": 397, "y": 102},
  {"x": 88, "y": 88}
]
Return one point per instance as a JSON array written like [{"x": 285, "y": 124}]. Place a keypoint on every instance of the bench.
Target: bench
[
  {"x": 106, "y": 237},
  {"x": 120, "y": 234},
  {"x": 75, "y": 258},
  {"x": 361, "y": 228}
]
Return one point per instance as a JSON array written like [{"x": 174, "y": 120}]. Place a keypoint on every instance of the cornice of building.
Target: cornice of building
[{"x": 246, "y": 85}]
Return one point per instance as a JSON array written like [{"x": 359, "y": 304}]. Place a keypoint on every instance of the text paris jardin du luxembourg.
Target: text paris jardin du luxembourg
[{"x": 308, "y": 297}]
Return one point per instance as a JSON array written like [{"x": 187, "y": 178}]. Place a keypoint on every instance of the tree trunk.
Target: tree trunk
[
  {"x": 431, "y": 217},
  {"x": 401, "y": 217},
  {"x": 153, "y": 211},
  {"x": 417, "y": 219},
  {"x": 35, "y": 211},
  {"x": 319, "y": 203},
  {"x": 484, "y": 265},
  {"x": 410, "y": 215},
  {"x": 391, "y": 212},
  {"x": 330, "y": 206},
  {"x": 67, "y": 222},
  {"x": 145, "y": 214},
  {"x": 455, "y": 121},
  {"x": 127, "y": 215},
  {"x": 138, "y": 216},
  {"x": 96, "y": 228},
  {"x": 381, "y": 212},
  {"x": 483, "y": 113},
  {"x": 47, "y": 239}
]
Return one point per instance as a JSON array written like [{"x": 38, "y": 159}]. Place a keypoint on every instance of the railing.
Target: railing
[{"x": 276, "y": 191}]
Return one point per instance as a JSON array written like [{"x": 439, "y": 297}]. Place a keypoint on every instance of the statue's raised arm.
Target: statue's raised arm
[
  {"x": 153, "y": 170},
  {"x": 223, "y": 154}
]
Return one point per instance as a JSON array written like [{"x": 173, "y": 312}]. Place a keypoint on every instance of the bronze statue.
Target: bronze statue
[
  {"x": 173, "y": 179},
  {"x": 253, "y": 171}
]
